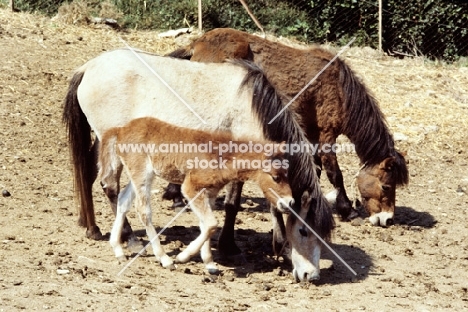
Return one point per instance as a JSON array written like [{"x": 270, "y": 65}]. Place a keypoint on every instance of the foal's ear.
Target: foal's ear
[
  {"x": 305, "y": 200},
  {"x": 387, "y": 163}
]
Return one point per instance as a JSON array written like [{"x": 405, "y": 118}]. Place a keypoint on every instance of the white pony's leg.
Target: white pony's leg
[
  {"x": 208, "y": 223},
  {"x": 124, "y": 204}
]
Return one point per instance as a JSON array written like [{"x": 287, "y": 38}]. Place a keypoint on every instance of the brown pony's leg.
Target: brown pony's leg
[
  {"x": 343, "y": 204},
  {"x": 226, "y": 244},
  {"x": 173, "y": 192}
]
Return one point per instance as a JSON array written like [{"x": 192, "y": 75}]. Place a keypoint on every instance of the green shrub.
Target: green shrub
[
  {"x": 434, "y": 28},
  {"x": 48, "y": 7}
]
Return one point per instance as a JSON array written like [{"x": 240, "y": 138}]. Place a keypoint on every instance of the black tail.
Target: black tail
[
  {"x": 268, "y": 104},
  {"x": 365, "y": 125},
  {"x": 83, "y": 157}
]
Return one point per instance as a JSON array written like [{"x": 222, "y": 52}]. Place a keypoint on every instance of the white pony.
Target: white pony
[{"x": 118, "y": 86}]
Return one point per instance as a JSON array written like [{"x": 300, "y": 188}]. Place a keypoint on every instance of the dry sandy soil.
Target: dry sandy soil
[{"x": 419, "y": 264}]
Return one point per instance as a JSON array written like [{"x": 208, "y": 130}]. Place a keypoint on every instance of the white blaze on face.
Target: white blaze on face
[
  {"x": 381, "y": 218},
  {"x": 305, "y": 250},
  {"x": 306, "y": 269}
]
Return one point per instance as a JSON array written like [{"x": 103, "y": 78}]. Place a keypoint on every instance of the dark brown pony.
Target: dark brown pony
[{"x": 336, "y": 103}]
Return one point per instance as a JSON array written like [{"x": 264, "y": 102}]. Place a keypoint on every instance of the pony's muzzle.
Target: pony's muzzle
[
  {"x": 306, "y": 276},
  {"x": 285, "y": 204},
  {"x": 383, "y": 219}
]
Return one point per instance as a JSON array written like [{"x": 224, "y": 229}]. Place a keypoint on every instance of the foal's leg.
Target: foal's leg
[
  {"x": 343, "y": 204},
  {"x": 142, "y": 181},
  {"x": 226, "y": 244},
  {"x": 202, "y": 207},
  {"x": 111, "y": 186},
  {"x": 112, "y": 193},
  {"x": 125, "y": 200}
]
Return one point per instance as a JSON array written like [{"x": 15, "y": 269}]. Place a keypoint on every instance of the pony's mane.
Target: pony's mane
[
  {"x": 364, "y": 124},
  {"x": 267, "y": 104}
]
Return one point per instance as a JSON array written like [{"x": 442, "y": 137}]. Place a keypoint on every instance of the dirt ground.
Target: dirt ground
[{"x": 419, "y": 264}]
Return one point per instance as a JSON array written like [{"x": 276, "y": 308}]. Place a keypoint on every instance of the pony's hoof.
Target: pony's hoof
[
  {"x": 122, "y": 259},
  {"x": 212, "y": 269},
  {"x": 167, "y": 262},
  {"x": 353, "y": 215},
  {"x": 94, "y": 233},
  {"x": 178, "y": 204}
]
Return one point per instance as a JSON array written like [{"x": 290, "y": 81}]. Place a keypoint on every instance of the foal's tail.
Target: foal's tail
[
  {"x": 83, "y": 155},
  {"x": 109, "y": 163}
]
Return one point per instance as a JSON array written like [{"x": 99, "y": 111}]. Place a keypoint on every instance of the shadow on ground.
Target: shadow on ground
[
  {"x": 257, "y": 255},
  {"x": 409, "y": 216}
]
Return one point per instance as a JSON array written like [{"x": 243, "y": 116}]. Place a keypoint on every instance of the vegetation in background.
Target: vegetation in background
[{"x": 434, "y": 28}]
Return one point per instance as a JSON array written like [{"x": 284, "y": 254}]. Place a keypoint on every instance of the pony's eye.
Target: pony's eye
[
  {"x": 276, "y": 178},
  {"x": 303, "y": 232},
  {"x": 386, "y": 187}
]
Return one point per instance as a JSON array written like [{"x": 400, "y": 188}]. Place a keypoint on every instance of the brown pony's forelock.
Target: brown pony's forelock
[
  {"x": 366, "y": 126},
  {"x": 267, "y": 103}
]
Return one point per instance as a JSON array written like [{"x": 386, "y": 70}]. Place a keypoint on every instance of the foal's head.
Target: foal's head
[
  {"x": 377, "y": 185},
  {"x": 273, "y": 180}
]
